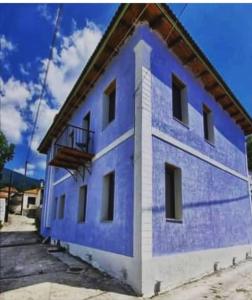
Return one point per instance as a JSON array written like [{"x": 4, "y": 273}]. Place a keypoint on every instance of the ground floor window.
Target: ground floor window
[
  {"x": 108, "y": 197},
  {"x": 61, "y": 208},
  {"x": 173, "y": 195},
  {"x": 82, "y": 204}
]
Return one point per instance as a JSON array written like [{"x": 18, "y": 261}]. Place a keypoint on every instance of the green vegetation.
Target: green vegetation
[{"x": 6, "y": 150}]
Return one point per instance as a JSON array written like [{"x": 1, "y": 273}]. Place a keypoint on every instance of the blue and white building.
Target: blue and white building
[{"x": 147, "y": 174}]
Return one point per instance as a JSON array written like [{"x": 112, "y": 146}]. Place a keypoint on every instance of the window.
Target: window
[
  {"x": 208, "y": 124},
  {"x": 61, "y": 208},
  {"x": 173, "y": 199},
  {"x": 31, "y": 201},
  {"x": 82, "y": 204},
  {"x": 109, "y": 104},
  {"x": 55, "y": 208},
  {"x": 71, "y": 139},
  {"x": 179, "y": 102},
  {"x": 108, "y": 197},
  {"x": 86, "y": 127}
]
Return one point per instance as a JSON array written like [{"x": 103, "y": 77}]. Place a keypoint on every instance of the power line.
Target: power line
[
  {"x": 177, "y": 19},
  {"x": 57, "y": 25}
]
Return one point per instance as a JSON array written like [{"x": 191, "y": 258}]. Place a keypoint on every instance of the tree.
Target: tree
[
  {"x": 6, "y": 150},
  {"x": 249, "y": 151}
]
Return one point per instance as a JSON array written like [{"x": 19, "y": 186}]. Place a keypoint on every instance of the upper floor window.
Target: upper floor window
[
  {"x": 208, "y": 124},
  {"x": 109, "y": 104},
  {"x": 179, "y": 101},
  {"x": 173, "y": 197}
]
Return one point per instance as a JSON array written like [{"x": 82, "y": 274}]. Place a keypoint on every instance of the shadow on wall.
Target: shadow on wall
[{"x": 159, "y": 209}]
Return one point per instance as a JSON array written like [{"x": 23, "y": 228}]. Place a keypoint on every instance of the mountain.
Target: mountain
[{"x": 19, "y": 181}]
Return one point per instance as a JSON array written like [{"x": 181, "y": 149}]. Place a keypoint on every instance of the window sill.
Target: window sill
[
  {"x": 210, "y": 143},
  {"x": 107, "y": 221},
  {"x": 174, "y": 220},
  {"x": 107, "y": 125},
  {"x": 181, "y": 123},
  {"x": 81, "y": 223}
]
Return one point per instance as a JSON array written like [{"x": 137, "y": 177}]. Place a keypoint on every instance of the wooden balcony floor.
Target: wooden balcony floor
[{"x": 70, "y": 158}]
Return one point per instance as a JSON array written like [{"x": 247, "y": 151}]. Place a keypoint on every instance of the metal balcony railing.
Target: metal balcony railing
[{"x": 73, "y": 148}]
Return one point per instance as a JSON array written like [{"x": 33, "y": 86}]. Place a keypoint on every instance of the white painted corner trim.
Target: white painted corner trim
[
  {"x": 173, "y": 141},
  {"x": 104, "y": 151}
]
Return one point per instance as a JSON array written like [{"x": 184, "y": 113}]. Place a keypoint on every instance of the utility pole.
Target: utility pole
[
  {"x": 22, "y": 203},
  {"x": 8, "y": 201}
]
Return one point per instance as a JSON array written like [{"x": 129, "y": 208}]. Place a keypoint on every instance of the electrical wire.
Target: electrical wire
[{"x": 57, "y": 25}]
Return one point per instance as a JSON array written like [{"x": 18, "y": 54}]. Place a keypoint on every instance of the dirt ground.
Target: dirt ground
[{"x": 28, "y": 271}]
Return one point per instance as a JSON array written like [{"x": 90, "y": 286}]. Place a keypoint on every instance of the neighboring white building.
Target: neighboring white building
[{"x": 32, "y": 198}]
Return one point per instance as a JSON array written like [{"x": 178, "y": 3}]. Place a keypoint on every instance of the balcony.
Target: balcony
[{"x": 72, "y": 149}]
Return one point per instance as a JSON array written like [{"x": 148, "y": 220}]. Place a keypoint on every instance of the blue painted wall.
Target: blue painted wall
[
  {"x": 216, "y": 208},
  {"x": 116, "y": 236}
]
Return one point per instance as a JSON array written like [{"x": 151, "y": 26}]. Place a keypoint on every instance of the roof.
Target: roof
[
  {"x": 162, "y": 20},
  {"x": 4, "y": 192},
  {"x": 32, "y": 191}
]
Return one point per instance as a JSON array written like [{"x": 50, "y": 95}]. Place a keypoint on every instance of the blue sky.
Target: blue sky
[{"x": 223, "y": 32}]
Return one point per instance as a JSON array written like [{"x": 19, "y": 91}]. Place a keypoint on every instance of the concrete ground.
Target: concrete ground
[{"x": 28, "y": 271}]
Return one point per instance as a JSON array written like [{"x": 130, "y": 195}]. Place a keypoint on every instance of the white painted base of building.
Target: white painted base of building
[
  {"x": 161, "y": 273},
  {"x": 124, "y": 268},
  {"x": 174, "y": 270}
]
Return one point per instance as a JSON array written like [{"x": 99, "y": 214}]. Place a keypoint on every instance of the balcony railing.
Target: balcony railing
[{"x": 73, "y": 148}]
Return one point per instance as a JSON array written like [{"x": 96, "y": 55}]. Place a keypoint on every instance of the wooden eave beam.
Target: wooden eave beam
[
  {"x": 211, "y": 87},
  {"x": 190, "y": 59},
  {"x": 220, "y": 97},
  {"x": 124, "y": 23},
  {"x": 239, "y": 121},
  {"x": 202, "y": 74},
  {"x": 157, "y": 21},
  {"x": 235, "y": 114},
  {"x": 174, "y": 42},
  {"x": 227, "y": 106}
]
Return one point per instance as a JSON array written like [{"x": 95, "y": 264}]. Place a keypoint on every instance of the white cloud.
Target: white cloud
[
  {"x": 15, "y": 95},
  {"x": 45, "y": 118},
  {"x": 6, "y": 47},
  {"x": 18, "y": 96},
  {"x": 44, "y": 12},
  {"x": 70, "y": 59},
  {"x": 30, "y": 170},
  {"x": 23, "y": 70}
]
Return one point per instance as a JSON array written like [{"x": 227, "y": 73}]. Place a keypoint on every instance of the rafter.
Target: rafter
[
  {"x": 175, "y": 42},
  {"x": 227, "y": 106},
  {"x": 211, "y": 87},
  {"x": 202, "y": 74},
  {"x": 190, "y": 59}
]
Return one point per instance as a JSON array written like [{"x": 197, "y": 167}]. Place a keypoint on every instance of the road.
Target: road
[{"x": 28, "y": 271}]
